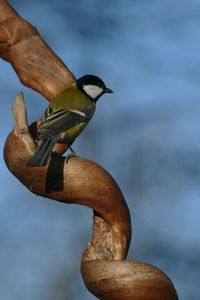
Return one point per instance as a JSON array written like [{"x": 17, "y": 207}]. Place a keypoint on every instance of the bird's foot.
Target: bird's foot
[
  {"x": 72, "y": 151},
  {"x": 70, "y": 155}
]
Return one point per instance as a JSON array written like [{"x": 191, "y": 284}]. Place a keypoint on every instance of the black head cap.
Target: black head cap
[{"x": 92, "y": 80}]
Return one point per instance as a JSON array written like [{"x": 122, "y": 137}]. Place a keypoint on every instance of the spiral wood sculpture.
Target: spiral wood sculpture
[{"x": 105, "y": 271}]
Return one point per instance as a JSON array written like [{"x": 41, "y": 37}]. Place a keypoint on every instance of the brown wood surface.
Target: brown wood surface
[{"x": 105, "y": 271}]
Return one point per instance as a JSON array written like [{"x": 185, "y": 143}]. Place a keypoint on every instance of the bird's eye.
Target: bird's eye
[{"x": 100, "y": 84}]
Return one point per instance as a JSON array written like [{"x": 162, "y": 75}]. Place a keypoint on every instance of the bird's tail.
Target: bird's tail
[{"x": 42, "y": 153}]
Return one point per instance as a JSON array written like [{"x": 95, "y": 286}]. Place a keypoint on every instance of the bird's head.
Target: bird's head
[{"x": 92, "y": 86}]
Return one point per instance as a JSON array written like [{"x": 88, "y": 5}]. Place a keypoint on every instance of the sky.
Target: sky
[{"x": 147, "y": 135}]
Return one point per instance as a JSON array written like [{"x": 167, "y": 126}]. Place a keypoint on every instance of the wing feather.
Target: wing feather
[
  {"x": 55, "y": 122},
  {"x": 59, "y": 121}
]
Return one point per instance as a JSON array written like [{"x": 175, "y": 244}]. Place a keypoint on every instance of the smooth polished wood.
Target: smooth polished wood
[{"x": 105, "y": 271}]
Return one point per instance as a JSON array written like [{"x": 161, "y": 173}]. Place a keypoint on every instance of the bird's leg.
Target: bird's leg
[
  {"x": 72, "y": 151},
  {"x": 72, "y": 154}
]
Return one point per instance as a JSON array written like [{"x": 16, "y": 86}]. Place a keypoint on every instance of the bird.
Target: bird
[{"x": 66, "y": 117}]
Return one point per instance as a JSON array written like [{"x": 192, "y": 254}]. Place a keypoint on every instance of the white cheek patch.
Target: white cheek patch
[{"x": 93, "y": 90}]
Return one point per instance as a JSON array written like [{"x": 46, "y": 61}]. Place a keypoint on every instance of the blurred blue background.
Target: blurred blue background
[{"x": 147, "y": 135}]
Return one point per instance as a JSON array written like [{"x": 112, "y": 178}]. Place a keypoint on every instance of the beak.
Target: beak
[{"x": 107, "y": 90}]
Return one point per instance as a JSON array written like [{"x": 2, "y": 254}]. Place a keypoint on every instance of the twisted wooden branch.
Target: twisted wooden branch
[{"x": 105, "y": 272}]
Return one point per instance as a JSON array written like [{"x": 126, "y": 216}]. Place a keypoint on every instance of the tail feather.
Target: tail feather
[{"x": 42, "y": 153}]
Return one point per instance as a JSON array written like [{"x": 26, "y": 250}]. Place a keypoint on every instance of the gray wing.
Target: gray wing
[{"x": 59, "y": 121}]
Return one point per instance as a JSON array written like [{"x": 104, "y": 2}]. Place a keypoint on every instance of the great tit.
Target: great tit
[{"x": 66, "y": 116}]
